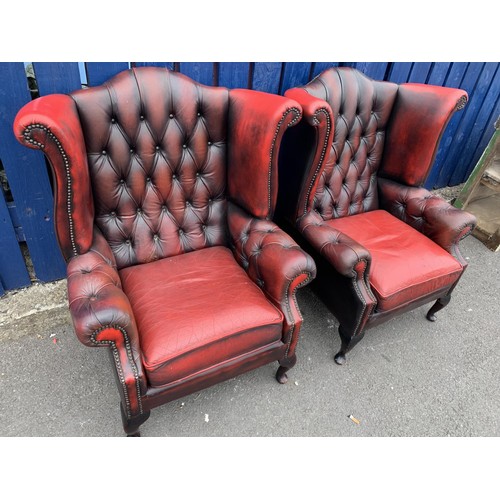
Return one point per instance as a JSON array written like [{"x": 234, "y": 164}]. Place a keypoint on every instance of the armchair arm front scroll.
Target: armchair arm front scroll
[
  {"x": 348, "y": 257},
  {"x": 102, "y": 316},
  {"x": 273, "y": 261},
  {"x": 431, "y": 215}
]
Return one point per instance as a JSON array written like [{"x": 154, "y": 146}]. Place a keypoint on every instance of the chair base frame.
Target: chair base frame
[{"x": 157, "y": 396}]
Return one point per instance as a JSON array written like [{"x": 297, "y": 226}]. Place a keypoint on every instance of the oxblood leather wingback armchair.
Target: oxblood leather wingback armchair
[
  {"x": 164, "y": 194},
  {"x": 352, "y": 196}
]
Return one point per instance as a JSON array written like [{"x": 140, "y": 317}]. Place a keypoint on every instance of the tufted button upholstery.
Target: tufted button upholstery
[
  {"x": 361, "y": 108},
  {"x": 383, "y": 244},
  {"x": 162, "y": 146},
  {"x": 141, "y": 165}
]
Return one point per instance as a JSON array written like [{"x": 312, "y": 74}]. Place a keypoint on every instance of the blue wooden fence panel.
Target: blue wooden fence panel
[
  {"x": 465, "y": 163},
  {"x": 266, "y": 77},
  {"x": 463, "y": 141},
  {"x": 234, "y": 75},
  {"x": 57, "y": 78},
  {"x": 294, "y": 75},
  {"x": 400, "y": 72},
  {"x": 13, "y": 272},
  {"x": 454, "y": 79},
  {"x": 469, "y": 83},
  {"x": 99, "y": 72},
  {"x": 319, "y": 67},
  {"x": 375, "y": 70},
  {"x": 202, "y": 72},
  {"x": 169, "y": 65},
  {"x": 438, "y": 73},
  {"x": 487, "y": 133},
  {"x": 472, "y": 112},
  {"x": 28, "y": 178},
  {"x": 419, "y": 72}
]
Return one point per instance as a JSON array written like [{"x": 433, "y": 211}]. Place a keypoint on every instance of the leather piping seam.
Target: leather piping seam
[
  {"x": 118, "y": 364},
  {"x": 69, "y": 203},
  {"x": 273, "y": 144},
  {"x": 454, "y": 250},
  {"x": 359, "y": 294},
  {"x": 322, "y": 156},
  {"x": 294, "y": 297}
]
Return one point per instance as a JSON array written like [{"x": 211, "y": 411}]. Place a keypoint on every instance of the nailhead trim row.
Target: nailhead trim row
[
  {"x": 294, "y": 297},
  {"x": 323, "y": 151},
  {"x": 69, "y": 205},
  {"x": 461, "y": 103},
  {"x": 116, "y": 357}
]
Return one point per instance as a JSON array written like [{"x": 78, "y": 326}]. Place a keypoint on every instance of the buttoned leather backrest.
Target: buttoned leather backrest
[
  {"x": 156, "y": 147},
  {"x": 361, "y": 109}
]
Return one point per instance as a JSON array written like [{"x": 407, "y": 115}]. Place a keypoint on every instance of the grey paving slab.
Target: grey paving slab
[{"x": 408, "y": 377}]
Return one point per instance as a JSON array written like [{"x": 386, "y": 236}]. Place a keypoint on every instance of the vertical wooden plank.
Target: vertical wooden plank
[
  {"x": 266, "y": 77},
  {"x": 456, "y": 74},
  {"x": 99, "y": 72},
  {"x": 488, "y": 131},
  {"x": 28, "y": 179},
  {"x": 400, "y": 71},
  {"x": 319, "y": 67},
  {"x": 467, "y": 136},
  {"x": 201, "y": 72},
  {"x": 468, "y": 84},
  {"x": 57, "y": 78},
  {"x": 295, "y": 74},
  {"x": 485, "y": 121},
  {"x": 13, "y": 272},
  {"x": 453, "y": 79},
  {"x": 234, "y": 74},
  {"x": 375, "y": 70},
  {"x": 419, "y": 72},
  {"x": 438, "y": 73},
  {"x": 168, "y": 65},
  {"x": 459, "y": 74}
]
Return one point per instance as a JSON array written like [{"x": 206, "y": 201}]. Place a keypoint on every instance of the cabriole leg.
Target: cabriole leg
[
  {"x": 347, "y": 344},
  {"x": 285, "y": 365},
  {"x": 439, "y": 304},
  {"x": 131, "y": 425}
]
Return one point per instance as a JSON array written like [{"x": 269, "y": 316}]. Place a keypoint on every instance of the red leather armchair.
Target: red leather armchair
[
  {"x": 164, "y": 194},
  {"x": 351, "y": 195}
]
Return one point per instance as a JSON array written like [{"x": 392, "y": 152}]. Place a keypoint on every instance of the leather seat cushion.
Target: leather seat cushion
[
  {"x": 196, "y": 310},
  {"x": 405, "y": 264}
]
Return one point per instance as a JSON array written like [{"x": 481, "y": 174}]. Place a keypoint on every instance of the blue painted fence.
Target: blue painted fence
[{"x": 26, "y": 212}]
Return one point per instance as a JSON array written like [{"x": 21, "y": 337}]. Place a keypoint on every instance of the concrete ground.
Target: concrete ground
[{"x": 408, "y": 377}]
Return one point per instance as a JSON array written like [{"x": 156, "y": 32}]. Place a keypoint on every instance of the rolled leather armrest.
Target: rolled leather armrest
[
  {"x": 348, "y": 257},
  {"x": 100, "y": 310},
  {"x": 429, "y": 214},
  {"x": 275, "y": 263},
  {"x": 270, "y": 256},
  {"x": 51, "y": 123},
  {"x": 318, "y": 114},
  {"x": 257, "y": 122}
]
